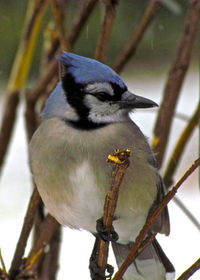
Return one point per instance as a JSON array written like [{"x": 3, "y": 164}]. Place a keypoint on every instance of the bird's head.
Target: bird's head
[{"x": 96, "y": 93}]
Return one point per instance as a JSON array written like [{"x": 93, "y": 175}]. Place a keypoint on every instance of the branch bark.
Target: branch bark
[
  {"x": 180, "y": 146},
  {"x": 58, "y": 18},
  {"x": 190, "y": 271},
  {"x": 80, "y": 19},
  {"x": 27, "y": 226},
  {"x": 103, "y": 40},
  {"x": 31, "y": 99},
  {"x": 121, "y": 163},
  {"x": 175, "y": 80},
  {"x": 47, "y": 230},
  {"x": 130, "y": 47},
  {"x": 20, "y": 71},
  {"x": 135, "y": 247}
]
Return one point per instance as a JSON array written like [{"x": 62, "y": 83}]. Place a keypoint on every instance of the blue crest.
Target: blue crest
[{"x": 86, "y": 70}]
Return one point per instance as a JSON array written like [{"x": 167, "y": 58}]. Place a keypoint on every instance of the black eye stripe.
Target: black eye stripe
[{"x": 103, "y": 96}]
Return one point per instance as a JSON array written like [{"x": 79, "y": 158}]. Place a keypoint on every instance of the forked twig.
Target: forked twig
[{"x": 146, "y": 228}]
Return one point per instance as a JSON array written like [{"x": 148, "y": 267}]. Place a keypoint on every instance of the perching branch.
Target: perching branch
[
  {"x": 175, "y": 80},
  {"x": 190, "y": 271},
  {"x": 103, "y": 40},
  {"x": 121, "y": 163},
  {"x": 146, "y": 228}
]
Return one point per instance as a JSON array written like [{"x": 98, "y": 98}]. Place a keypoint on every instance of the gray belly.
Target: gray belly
[{"x": 72, "y": 176}]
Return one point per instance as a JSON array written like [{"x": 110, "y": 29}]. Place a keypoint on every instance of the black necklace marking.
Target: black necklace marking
[{"x": 86, "y": 125}]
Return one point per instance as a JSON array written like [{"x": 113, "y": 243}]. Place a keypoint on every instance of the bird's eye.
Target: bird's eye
[{"x": 102, "y": 96}]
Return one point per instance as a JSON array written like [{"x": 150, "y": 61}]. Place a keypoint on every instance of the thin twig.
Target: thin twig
[
  {"x": 31, "y": 118},
  {"x": 180, "y": 146},
  {"x": 190, "y": 271},
  {"x": 27, "y": 226},
  {"x": 175, "y": 80},
  {"x": 47, "y": 229},
  {"x": 2, "y": 263},
  {"x": 80, "y": 19},
  {"x": 20, "y": 72},
  {"x": 59, "y": 17},
  {"x": 146, "y": 228},
  {"x": 103, "y": 40},
  {"x": 187, "y": 212},
  {"x": 82, "y": 15},
  {"x": 130, "y": 47},
  {"x": 50, "y": 264},
  {"x": 121, "y": 163}
]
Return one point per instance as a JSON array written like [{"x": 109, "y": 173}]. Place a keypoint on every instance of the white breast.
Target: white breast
[{"x": 72, "y": 175}]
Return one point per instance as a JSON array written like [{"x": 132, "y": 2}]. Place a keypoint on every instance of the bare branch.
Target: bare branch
[
  {"x": 31, "y": 118},
  {"x": 175, "y": 80},
  {"x": 80, "y": 19},
  {"x": 59, "y": 17},
  {"x": 2, "y": 263},
  {"x": 50, "y": 263},
  {"x": 190, "y": 271},
  {"x": 146, "y": 228},
  {"x": 180, "y": 146},
  {"x": 20, "y": 72},
  {"x": 104, "y": 36},
  {"x": 187, "y": 212},
  {"x": 121, "y": 163},
  {"x": 130, "y": 47},
  {"x": 47, "y": 230},
  {"x": 27, "y": 226}
]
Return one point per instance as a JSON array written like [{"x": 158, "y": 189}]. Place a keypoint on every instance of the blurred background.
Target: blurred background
[{"x": 145, "y": 75}]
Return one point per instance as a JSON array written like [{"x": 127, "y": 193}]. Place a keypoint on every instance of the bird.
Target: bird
[{"x": 84, "y": 119}]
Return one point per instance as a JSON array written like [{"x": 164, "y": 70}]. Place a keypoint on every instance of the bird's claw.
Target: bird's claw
[
  {"x": 99, "y": 274},
  {"x": 104, "y": 233}
]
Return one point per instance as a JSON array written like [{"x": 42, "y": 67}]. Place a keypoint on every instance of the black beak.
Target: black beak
[{"x": 131, "y": 101}]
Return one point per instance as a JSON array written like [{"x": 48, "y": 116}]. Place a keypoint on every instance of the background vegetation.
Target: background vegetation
[
  {"x": 156, "y": 49},
  {"x": 141, "y": 37}
]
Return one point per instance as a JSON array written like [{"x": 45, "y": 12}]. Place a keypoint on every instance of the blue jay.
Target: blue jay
[{"x": 84, "y": 119}]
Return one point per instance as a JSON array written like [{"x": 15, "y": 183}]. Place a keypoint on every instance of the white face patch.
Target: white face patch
[
  {"x": 99, "y": 87},
  {"x": 103, "y": 112}
]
